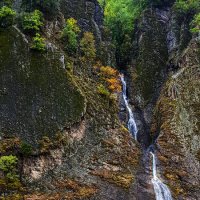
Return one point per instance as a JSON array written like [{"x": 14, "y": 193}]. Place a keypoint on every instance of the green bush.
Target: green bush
[
  {"x": 196, "y": 24},
  {"x": 8, "y": 166},
  {"x": 6, "y": 16},
  {"x": 87, "y": 46},
  {"x": 70, "y": 35},
  {"x": 103, "y": 91},
  {"x": 32, "y": 22},
  {"x": 10, "y": 180},
  {"x": 186, "y": 6},
  {"x": 8, "y": 163},
  {"x": 38, "y": 43}
]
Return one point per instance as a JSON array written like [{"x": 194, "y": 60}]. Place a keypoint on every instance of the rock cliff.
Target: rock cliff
[{"x": 69, "y": 133}]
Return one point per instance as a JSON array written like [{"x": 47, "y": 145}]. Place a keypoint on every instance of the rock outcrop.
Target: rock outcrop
[
  {"x": 164, "y": 89},
  {"x": 176, "y": 118}
]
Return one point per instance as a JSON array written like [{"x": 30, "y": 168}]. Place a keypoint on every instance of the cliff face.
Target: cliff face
[
  {"x": 68, "y": 137},
  {"x": 176, "y": 118},
  {"x": 38, "y": 97},
  {"x": 164, "y": 89}
]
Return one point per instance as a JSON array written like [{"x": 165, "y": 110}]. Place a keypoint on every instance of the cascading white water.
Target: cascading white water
[
  {"x": 131, "y": 122},
  {"x": 161, "y": 190}
]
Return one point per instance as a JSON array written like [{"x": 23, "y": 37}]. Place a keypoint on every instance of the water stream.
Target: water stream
[
  {"x": 131, "y": 122},
  {"x": 162, "y": 192}
]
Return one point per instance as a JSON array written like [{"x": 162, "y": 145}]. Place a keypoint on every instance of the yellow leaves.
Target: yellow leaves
[
  {"x": 72, "y": 23},
  {"x": 114, "y": 84},
  {"x": 108, "y": 71}
]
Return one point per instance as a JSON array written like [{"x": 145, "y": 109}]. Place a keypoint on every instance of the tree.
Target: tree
[{"x": 120, "y": 16}]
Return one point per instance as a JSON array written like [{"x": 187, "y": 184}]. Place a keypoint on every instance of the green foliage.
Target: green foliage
[
  {"x": 10, "y": 179},
  {"x": 87, "y": 46},
  {"x": 196, "y": 24},
  {"x": 103, "y": 91},
  {"x": 26, "y": 149},
  {"x": 185, "y": 6},
  {"x": 120, "y": 16},
  {"x": 191, "y": 7},
  {"x": 32, "y": 22},
  {"x": 8, "y": 163},
  {"x": 70, "y": 35},
  {"x": 6, "y": 16},
  {"x": 8, "y": 166},
  {"x": 38, "y": 43}
]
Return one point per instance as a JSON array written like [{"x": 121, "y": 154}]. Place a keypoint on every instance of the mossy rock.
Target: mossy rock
[{"x": 37, "y": 96}]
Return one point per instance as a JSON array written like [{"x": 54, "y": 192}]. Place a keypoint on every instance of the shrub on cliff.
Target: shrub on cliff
[
  {"x": 8, "y": 163},
  {"x": 196, "y": 24},
  {"x": 10, "y": 179},
  {"x": 103, "y": 91},
  {"x": 32, "y": 22},
  {"x": 186, "y": 6},
  {"x": 38, "y": 43},
  {"x": 70, "y": 35},
  {"x": 87, "y": 46},
  {"x": 6, "y": 16}
]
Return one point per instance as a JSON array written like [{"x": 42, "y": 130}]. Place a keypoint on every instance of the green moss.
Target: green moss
[{"x": 42, "y": 97}]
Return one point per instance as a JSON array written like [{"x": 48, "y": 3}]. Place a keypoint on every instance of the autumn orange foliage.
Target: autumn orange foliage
[
  {"x": 110, "y": 76},
  {"x": 114, "y": 84}
]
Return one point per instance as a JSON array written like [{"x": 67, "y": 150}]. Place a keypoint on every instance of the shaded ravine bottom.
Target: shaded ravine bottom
[{"x": 161, "y": 190}]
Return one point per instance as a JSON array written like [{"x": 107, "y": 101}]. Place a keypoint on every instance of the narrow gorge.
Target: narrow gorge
[
  {"x": 161, "y": 190},
  {"x": 99, "y": 100}
]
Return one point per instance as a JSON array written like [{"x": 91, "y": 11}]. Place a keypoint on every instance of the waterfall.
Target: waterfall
[
  {"x": 131, "y": 122},
  {"x": 161, "y": 190}
]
